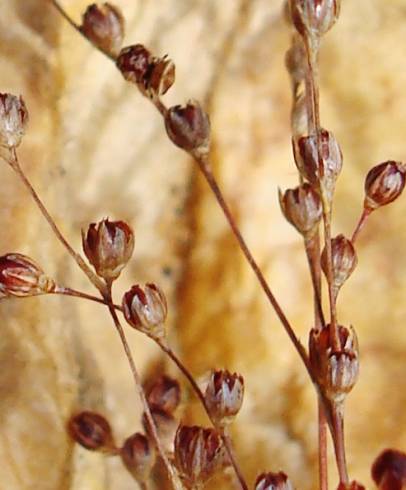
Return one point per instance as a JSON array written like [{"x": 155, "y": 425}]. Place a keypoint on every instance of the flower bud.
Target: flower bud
[
  {"x": 317, "y": 167},
  {"x": 108, "y": 245},
  {"x": 166, "y": 426},
  {"x": 224, "y": 395},
  {"x": 138, "y": 456},
  {"x": 389, "y": 470},
  {"x": 335, "y": 370},
  {"x": 103, "y": 25},
  {"x": 153, "y": 76},
  {"x": 273, "y": 481},
  {"x": 20, "y": 276},
  {"x": 13, "y": 120},
  {"x": 314, "y": 17},
  {"x": 302, "y": 208},
  {"x": 189, "y": 127},
  {"x": 344, "y": 260},
  {"x": 164, "y": 393},
  {"x": 199, "y": 453},
  {"x": 146, "y": 310},
  {"x": 383, "y": 184},
  {"x": 92, "y": 431}
]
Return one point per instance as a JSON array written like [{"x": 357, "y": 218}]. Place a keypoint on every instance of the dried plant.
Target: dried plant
[{"x": 191, "y": 456}]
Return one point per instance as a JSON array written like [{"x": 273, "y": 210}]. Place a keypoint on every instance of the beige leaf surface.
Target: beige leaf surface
[{"x": 96, "y": 148}]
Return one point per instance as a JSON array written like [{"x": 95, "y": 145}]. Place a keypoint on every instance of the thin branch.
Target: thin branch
[{"x": 361, "y": 222}]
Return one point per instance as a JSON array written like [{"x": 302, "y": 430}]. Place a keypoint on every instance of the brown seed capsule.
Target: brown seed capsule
[
  {"x": 314, "y": 17},
  {"x": 383, "y": 184},
  {"x": 161, "y": 76},
  {"x": 103, "y": 25},
  {"x": 302, "y": 208},
  {"x": 92, "y": 431},
  {"x": 134, "y": 63},
  {"x": 20, "y": 276},
  {"x": 199, "y": 453},
  {"x": 323, "y": 171},
  {"x": 389, "y": 470},
  {"x": 354, "y": 485},
  {"x": 108, "y": 245},
  {"x": 335, "y": 370},
  {"x": 166, "y": 426},
  {"x": 138, "y": 456},
  {"x": 164, "y": 393},
  {"x": 344, "y": 261},
  {"x": 224, "y": 395},
  {"x": 146, "y": 309},
  {"x": 273, "y": 481},
  {"x": 13, "y": 120},
  {"x": 189, "y": 127}
]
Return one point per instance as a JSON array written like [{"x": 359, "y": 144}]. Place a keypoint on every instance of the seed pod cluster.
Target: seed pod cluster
[
  {"x": 335, "y": 370},
  {"x": 103, "y": 25},
  {"x": 13, "y": 120},
  {"x": 20, "y": 276},
  {"x": 153, "y": 76}
]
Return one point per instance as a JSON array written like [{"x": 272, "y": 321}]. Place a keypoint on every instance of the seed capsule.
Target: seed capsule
[
  {"x": 389, "y": 470},
  {"x": 146, "y": 309},
  {"x": 108, "y": 245},
  {"x": 13, "y": 120},
  {"x": 344, "y": 261},
  {"x": 273, "y": 481},
  {"x": 302, "y": 208},
  {"x": 138, "y": 456},
  {"x": 335, "y": 370},
  {"x": 324, "y": 170},
  {"x": 224, "y": 396},
  {"x": 103, "y": 25},
  {"x": 189, "y": 127},
  {"x": 314, "y": 17},
  {"x": 20, "y": 276},
  {"x": 164, "y": 393},
  {"x": 199, "y": 453},
  {"x": 383, "y": 184},
  {"x": 92, "y": 431},
  {"x": 166, "y": 426}
]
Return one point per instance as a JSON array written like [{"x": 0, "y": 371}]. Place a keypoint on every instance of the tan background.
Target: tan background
[{"x": 96, "y": 148}]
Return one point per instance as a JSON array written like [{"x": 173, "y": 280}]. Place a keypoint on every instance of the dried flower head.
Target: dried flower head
[
  {"x": 166, "y": 426},
  {"x": 344, "y": 260},
  {"x": 319, "y": 168},
  {"x": 146, "y": 309},
  {"x": 383, "y": 184},
  {"x": 199, "y": 453},
  {"x": 273, "y": 481},
  {"x": 335, "y": 370},
  {"x": 314, "y": 17},
  {"x": 13, "y": 120},
  {"x": 108, "y": 245},
  {"x": 224, "y": 396},
  {"x": 164, "y": 393},
  {"x": 389, "y": 470},
  {"x": 302, "y": 208},
  {"x": 138, "y": 456},
  {"x": 153, "y": 76},
  {"x": 103, "y": 25},
  {"x": 20, "y": 276},
  {"x": 189, "y": 127},
  {"x": 92, "y": 431}
]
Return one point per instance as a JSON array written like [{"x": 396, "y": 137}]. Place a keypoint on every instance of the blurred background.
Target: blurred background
[{"x": 96, "y": 148}]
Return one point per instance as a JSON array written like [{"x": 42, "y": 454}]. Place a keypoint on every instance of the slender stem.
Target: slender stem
[
  {"x": 226, "y": 440},
  {"x": 171, "y": 471},
  {"x": 79, "y": 294},
  {"x": 312, "y": 248},
  {"x": 322, "y": 437},
  {"x": 15, "y": 165},
  {"x": 363, "y": 219},
  {"x": 339, "y": 447}
]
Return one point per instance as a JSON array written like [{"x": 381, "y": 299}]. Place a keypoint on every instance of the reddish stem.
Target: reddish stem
[{"x": 363, "y": 219}]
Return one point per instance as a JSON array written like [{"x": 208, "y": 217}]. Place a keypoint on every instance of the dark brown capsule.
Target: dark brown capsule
[
  {"x": 389, "y": 470},
  {"x": 92, "y": 431},
  {"x": 383, "y": 184},
  {"x": 164, "y": 393},
  {"x": 103, "y": 25},
  {"x": 273, "y": 481},
  {"x": 134, "y": 63},
  {"x": 138, "y": 456},
  {"x": 13, "y": 120}
]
